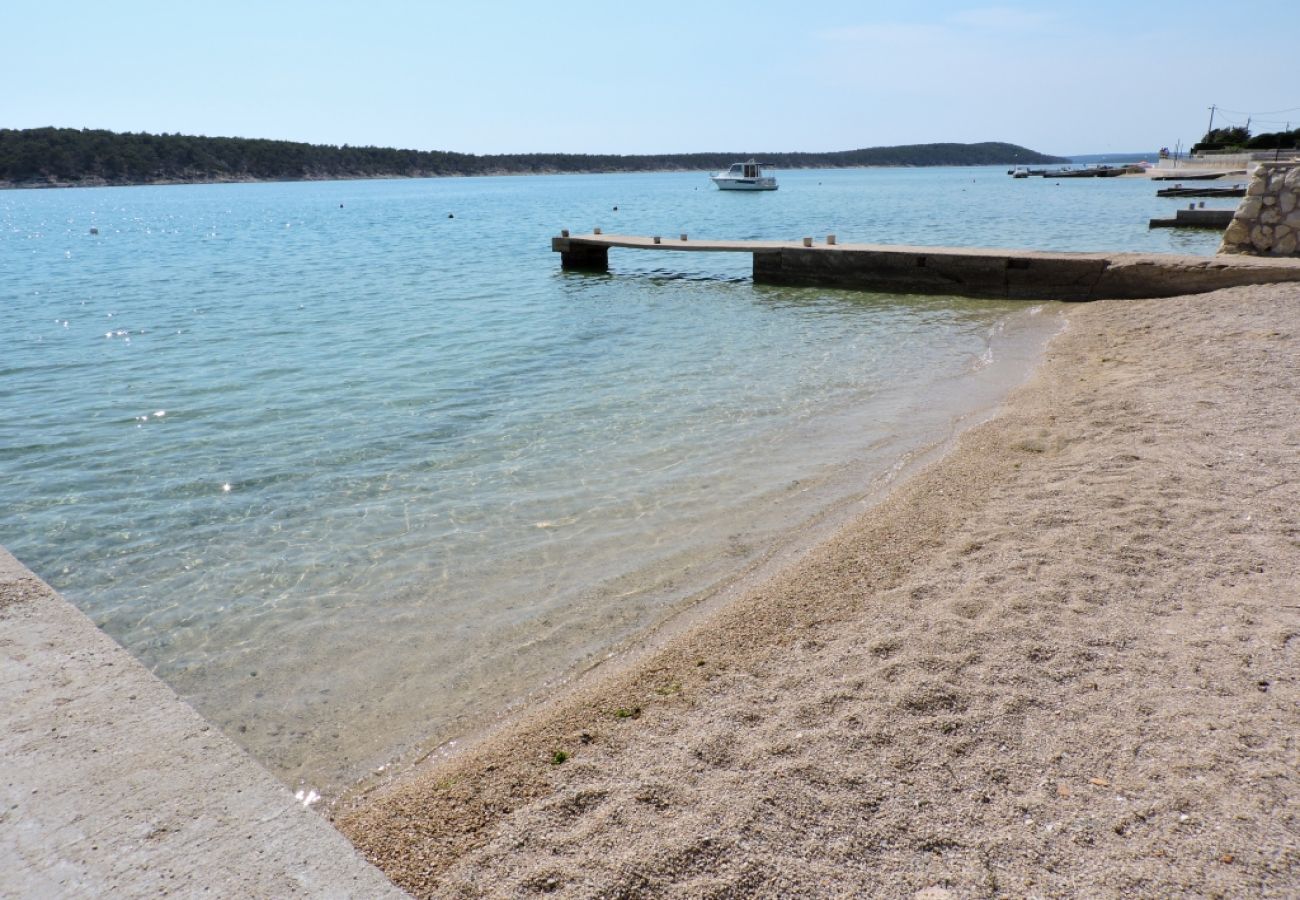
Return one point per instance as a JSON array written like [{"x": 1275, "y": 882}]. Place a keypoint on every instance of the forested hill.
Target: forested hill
[{"x": 69, "y": 156}]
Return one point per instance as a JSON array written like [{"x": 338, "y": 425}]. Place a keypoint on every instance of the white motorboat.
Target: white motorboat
[{"x": 744, "y": 176}]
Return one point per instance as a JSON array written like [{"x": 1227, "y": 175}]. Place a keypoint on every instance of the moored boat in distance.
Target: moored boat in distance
[
  {"x": 1101, "y": 171},
  {"x": 744, "y": 176}
]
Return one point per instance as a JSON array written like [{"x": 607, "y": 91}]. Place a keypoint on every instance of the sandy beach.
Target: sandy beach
[{"x": 1061, "y": 661}]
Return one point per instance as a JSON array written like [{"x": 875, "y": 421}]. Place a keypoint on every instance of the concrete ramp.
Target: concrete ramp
[{"x": 111, "y": 786}]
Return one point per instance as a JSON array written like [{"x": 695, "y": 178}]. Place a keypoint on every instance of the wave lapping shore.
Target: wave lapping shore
[{"x": 1062, "y": 661}]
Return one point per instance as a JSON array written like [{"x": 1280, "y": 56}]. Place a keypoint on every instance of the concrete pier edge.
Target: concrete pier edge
[
  {"x": 112, "y": 786},
  {"x": 960, "y": 271}
]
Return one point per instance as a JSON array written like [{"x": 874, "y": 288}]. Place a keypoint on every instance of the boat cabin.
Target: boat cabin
[{"x": 745, "y": 170}]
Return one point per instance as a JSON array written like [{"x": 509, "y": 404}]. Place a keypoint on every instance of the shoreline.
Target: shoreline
[
  {"x": 841, "y": 494},
  {"x": 396, "y": 176},
  {"x": 6, "y": 185},
  {"x": 985, "y": 672}
]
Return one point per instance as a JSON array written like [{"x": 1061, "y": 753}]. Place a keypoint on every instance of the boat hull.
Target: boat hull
[{"x": 744, "y": 184}]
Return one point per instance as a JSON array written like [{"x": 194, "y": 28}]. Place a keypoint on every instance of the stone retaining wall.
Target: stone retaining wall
[{"x": 1267, "y": 223}]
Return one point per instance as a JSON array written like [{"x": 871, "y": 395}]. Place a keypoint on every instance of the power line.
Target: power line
[
  {"x": 1245, "y": 121},
  {"x": 1270, "y": 112},
  {"x": 1229, "y": 121}
]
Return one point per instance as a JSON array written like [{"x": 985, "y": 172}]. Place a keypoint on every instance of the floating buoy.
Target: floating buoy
[
  {"x": 94, "y": 231},
  {"x": 451, "y": 215},
  {"x": 616, "y": 209}
]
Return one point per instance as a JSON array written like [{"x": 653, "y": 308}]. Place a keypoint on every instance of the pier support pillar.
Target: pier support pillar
[
  {"x": 581, "y": 257},
  {"x": 767, "y": 267}
]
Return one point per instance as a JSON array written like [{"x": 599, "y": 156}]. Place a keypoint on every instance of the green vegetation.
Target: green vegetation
[
  {"x": 559, "y": 757},
  {"x": 1239, "y": 138},
  {"x": 1222, "y": 139},
  {"x": 45, "y": 156}
]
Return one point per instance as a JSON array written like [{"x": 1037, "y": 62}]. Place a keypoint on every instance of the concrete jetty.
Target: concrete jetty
[
  {"x": 111, "y": 786},
  {"x": 1238, "y": 191},
  {"x": 1017, "y": 274},
  {"x": 1196, "y": 218}
]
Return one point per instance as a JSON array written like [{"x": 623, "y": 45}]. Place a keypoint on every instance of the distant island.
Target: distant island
[{"x": 68, "y": 157}]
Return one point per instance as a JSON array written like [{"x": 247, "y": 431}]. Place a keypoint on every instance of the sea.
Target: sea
[{"x": 357, "y": 470}]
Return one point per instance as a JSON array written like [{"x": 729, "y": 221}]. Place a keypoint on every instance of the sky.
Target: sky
[{"x": 611, "y": 76}]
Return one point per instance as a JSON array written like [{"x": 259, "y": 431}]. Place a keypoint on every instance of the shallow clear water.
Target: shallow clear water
[{"x": 351, "y": 474}]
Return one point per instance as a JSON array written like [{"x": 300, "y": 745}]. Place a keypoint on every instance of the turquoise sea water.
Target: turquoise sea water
[{"x": 353, "y": 475}]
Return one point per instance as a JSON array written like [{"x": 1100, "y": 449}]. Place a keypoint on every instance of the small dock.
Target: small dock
[
  {"x": 1015, "y": 274},
  {"x": 1198, "y": 176},
  {"x": 1180, "y": 191},
  {"x": 1196, "y": 218}
]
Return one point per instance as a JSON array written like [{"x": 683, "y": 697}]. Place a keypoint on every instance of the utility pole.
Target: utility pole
[{"x": 1211, "y": 128}]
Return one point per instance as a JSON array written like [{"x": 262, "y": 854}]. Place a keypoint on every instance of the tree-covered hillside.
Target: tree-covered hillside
[
  {"x": 45, "y": 156},
  {"x": 1237, "y": 138}
]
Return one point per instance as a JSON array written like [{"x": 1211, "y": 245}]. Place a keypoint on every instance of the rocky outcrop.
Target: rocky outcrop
[{"x": 1267, "y": 223}]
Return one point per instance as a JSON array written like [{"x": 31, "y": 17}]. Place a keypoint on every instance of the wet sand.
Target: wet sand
[{"x": 1061, "y": 661}]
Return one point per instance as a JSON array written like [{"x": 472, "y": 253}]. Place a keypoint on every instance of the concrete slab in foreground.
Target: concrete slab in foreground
[{"x": 111, "y": 786}]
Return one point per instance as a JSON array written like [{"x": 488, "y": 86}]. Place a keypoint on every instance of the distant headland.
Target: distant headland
[{"x": 70, "y": 157}]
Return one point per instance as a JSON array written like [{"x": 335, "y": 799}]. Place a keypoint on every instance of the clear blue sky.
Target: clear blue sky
[{"x": 654, "y": 77}]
